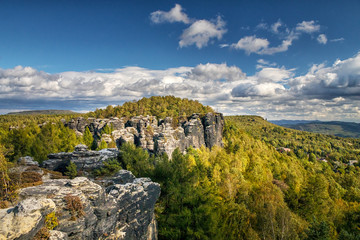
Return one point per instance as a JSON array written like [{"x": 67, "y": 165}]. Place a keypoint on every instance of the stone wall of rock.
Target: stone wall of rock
[
  {"x": 84, "y": 159},
  {"x": 157, "y": 136},
  {"x": 121, "y": 207}
]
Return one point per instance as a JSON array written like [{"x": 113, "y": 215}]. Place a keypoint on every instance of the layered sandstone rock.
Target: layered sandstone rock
[
  {"x": 157, "y": 136},
  {"x": 121, "y": 207}
]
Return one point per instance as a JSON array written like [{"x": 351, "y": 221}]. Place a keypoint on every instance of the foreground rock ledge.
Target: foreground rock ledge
[{"x": 122, "y": 210}]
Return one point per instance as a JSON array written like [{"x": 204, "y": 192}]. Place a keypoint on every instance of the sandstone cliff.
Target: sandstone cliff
[
  {"x": 121, "y": 207},
  {"x": 157, "y": 136}
]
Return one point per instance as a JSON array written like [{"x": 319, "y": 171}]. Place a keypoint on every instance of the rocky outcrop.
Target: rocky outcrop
[
  {"x": 84, "y": 159},
  {"x": 26, "y": 219},
  {"x": 121, "y": 207},
  {"x": 157, "y": 136},
  {"x": 27, "y": 161}
]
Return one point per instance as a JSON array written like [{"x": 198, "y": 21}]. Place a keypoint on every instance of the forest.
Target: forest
[{"x": 249, "y": 189}]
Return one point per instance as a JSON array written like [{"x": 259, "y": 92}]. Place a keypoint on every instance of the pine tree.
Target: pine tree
[
  {"x": 88, "y": 138},
  {"x": 71, "y": 170},
  {"x": 103, "y": 145}
]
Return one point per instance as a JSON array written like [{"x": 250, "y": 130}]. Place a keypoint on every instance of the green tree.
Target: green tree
[
  {"x": 312, "y": 157},
  {"x": 102, "y": 145},
  {"x": 318, "y": 231},
  {"x": 110, "y": 167},
  {"x": 135, "y": 159},
  {"x": 71, "y": 170},
  {"x": 88, "y": 138}
]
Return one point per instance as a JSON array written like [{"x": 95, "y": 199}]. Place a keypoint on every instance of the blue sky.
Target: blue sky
[{"x": 277, "y": 59}]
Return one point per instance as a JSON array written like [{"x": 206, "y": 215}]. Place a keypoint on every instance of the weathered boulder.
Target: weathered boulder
[
  {"x": 25, "y": 219},
  {"x": 124, "y": 209},
  {"x": 27, "y": 161}
]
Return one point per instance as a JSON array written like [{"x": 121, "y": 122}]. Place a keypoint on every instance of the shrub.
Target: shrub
[
  {"x": 51, "y": 221},
  {"x": 4, "y": 204},
  {"x": 75, "y": 206},
  {"x": 71, "y": 170},
  {"x": 42, "y": 234},
  {"x": 102, "y": 145},
  {"x": 28, "y": 179},
  {"x": 110, "y": 167}
]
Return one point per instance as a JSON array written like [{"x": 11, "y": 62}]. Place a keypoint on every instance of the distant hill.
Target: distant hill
[
  {"x": 337, "y": 128},
  {"x": 43, "y": 112}
]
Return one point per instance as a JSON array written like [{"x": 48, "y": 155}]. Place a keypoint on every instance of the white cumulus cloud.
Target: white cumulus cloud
[
  {"x": 325, "y": 92},
  {"x": 308, "y": 26},
  {"x": 251, "y": 44},
  {"x": 322, "y": 39},
  {"x": 175, "y": 14},
  {"x": 201, "y": 31}
]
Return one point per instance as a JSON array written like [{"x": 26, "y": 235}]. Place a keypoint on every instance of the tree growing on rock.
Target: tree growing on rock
[
  {"x": 102, "y": 145},
  {"x": 88, "y": 138},
  {"x": 71, "y": 170}
]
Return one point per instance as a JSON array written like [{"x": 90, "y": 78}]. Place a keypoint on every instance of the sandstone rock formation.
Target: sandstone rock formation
[
  {"x": 157, "y": 136},
  {"x": 85, "y": 160},
  {"x": 121, "y": 207},
  {"x": 27, "y": 161}
]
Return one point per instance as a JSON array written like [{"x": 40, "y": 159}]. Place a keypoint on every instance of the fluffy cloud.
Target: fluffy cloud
[
  {"x": 322, "y": 39},
  {"x": 274, "y": 74},
  {"x": 325, "y": 92},
  {"x": 175, "y": 14},
  {"x": 201, "y": 31},
  {"x": 216, "y": 72},
  {"x": 258, "y": 90},
  {"x": 342, "y": 79},
  {"x": 252, "y": 44},
  {"x": 261, "y": 46},
  {"x": 308, "y": 27}
]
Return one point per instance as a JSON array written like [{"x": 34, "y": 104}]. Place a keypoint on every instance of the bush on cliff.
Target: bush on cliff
[
  {"x": 71, "y": 170},
  {"x": 110, "y": 167}
]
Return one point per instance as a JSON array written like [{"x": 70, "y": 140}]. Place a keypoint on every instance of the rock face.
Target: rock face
[
  {"x": 124, "y": 209},
  {"x": 24, "y": 220},
  {"x": 27, "y": 161},
  {"x": 85, "y": 160},
  {"x": 157, "y": 136}
]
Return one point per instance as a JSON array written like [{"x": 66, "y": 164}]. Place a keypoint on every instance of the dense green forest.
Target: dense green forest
[
  {"x": 246, "y": 190},
  {"x": 36, "y": 135},
  {"x": 161, "y": 107},
  {"x": 332, "y": 148}
]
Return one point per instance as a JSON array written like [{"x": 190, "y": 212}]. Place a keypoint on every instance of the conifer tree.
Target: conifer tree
[
  {"x": 71, "y": 170},
  {"x": 88, "y": 138},
  {"x": 102, "y": 145}
]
